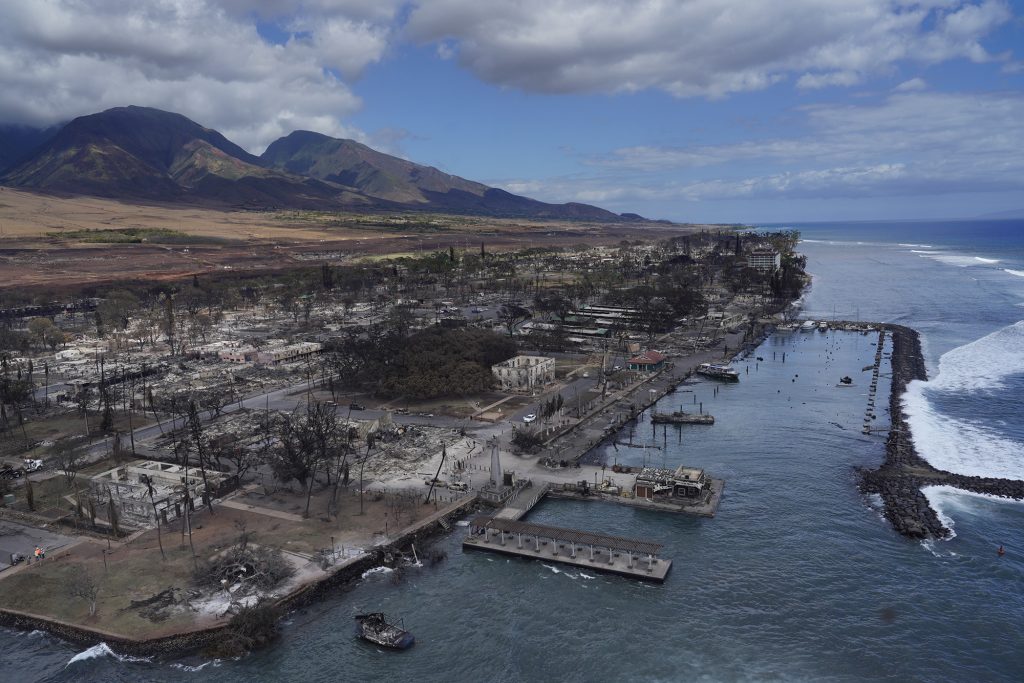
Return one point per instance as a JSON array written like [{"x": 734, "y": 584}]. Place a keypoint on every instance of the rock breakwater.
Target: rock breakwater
[{"x": 904, "y": 472}]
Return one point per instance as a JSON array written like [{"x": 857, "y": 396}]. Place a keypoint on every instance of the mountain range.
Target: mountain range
[{"x": 144, "y": 154}]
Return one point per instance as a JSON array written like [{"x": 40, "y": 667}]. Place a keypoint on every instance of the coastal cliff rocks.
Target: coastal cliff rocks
[{"x": 903, "y": 474}]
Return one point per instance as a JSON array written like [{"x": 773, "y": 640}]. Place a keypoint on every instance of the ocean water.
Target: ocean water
[
  {"x": 797, "y": 578},
  {"x": 961, "y": 284}
]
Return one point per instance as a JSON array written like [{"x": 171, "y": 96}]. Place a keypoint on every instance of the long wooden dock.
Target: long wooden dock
[{"x": 634, "y": 558}]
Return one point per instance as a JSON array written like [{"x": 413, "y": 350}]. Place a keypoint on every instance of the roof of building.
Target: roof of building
[
  {"x": 679, "y": 474},
  {"x": 649, "y": 357}
]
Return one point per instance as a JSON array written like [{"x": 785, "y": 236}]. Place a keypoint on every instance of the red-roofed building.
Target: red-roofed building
[{"x": 648, "y": 361}]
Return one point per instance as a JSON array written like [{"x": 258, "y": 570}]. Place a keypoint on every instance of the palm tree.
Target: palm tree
[{"x": 156, "y": 515}]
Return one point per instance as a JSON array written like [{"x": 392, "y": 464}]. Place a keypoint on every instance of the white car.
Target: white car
[{"x": 529, "y": 418}]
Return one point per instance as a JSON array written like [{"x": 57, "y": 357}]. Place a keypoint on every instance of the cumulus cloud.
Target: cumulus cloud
[
  {"x": 700, "y": 47},
  {"x": 202, "y": 58}
]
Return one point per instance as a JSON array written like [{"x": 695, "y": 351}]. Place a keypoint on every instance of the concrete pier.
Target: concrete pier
[{"x": 628, "y": 557}]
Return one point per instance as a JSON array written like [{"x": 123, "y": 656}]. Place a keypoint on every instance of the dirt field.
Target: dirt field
[
  {"x": 134, "y": 571},
  {"x": 197, "y": 240}
]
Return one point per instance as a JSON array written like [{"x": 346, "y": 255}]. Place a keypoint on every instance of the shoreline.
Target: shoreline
[
  {"x": 194, "y": 641},
  {"x": 899, "y": 481}
]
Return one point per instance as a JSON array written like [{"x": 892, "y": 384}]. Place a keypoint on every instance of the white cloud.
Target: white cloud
[
  {"x": 911, "y": 85},
  {"x": 202, "y": 58},
  {"x": 955, "y": 129},
  {"x": 700, "y": 47},
  {"x": 910, "y": 143}
]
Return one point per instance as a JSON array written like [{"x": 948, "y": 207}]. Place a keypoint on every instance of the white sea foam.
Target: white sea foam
[
  {"x": 950, "y": 496},
  {"x": 377, "y": 570},
  {"x": 847, "y": 243},
  {"x": 952, "y": 259},
  {"x": 102, "y": 650},
  {"x": 957, "y": 445},
  {"x": 556, "y": 570},
  {"x": 1018, "y": 273},
  {"x": 195, "y": 667},
  {"x": 919, "y": 246},
  {"x": 949, "y": 500},
  {"x": 983, "y": 363}
]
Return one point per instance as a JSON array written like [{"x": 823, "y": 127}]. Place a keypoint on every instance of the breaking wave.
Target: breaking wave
[
  {"x": 102, "y": 650},
  {"x": 1018, "y": 273},
  {"x": 377, "y": 570},
  {"x": 949, "y": 500},
  {"x": 957, "y": 445},
  {"x": 958, "y": 260}
]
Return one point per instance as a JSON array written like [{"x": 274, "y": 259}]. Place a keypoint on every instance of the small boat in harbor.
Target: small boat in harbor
[
  {"x": 808, "y": 326},
  {"x": 716, "y": 371},
  {"x": 678, "y": 417},
  {"x": 375, "y": 628}
]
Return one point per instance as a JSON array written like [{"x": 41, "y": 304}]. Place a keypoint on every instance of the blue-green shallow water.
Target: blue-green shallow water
[{"x": 797, "y": 578}]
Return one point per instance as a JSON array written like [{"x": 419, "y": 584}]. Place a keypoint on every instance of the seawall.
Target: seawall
[
  {"x": 904, "y": 472},
  {"x": 200, "y": 639}
]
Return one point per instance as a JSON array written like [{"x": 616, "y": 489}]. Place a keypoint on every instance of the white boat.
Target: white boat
[{"x": 808, "y": 326}]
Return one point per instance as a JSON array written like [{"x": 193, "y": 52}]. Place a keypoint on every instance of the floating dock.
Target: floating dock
[{"x": 633, "y": 558}]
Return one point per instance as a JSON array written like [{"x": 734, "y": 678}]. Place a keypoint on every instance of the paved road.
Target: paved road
[{"x": 19, "y": 538}]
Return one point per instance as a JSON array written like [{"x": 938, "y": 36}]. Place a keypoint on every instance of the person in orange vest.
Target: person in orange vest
[{"x": 38, "y": 553}]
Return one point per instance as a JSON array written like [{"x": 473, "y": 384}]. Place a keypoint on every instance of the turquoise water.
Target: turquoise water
[{"x": 797, "y": 578}]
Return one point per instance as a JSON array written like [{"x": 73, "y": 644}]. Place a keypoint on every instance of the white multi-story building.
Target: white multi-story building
[
  {"x": 521, "y": 373},
  {"x": 764, "y": 260}
]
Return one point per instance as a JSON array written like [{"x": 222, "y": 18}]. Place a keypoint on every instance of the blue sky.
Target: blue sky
[{"x": 692, "y": 110}]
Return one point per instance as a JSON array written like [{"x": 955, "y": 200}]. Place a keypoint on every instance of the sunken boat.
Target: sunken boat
[
  {"x": 376, "y": 628},
  {"x": 720, "y": 372},
  {"x": 678, "y": 417}
]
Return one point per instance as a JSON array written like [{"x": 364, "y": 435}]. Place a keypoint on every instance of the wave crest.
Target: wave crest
[
  {"x": 960, "y": 446},
  {"x": 952, "y": 259},
  {"x": 102, "y": 650}
]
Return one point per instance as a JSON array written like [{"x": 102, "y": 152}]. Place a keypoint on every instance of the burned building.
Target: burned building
[
  {"x": 524, "y": 372},
  {"x": 128, "y": 486},
  {"x": 683, "y": 482}
]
